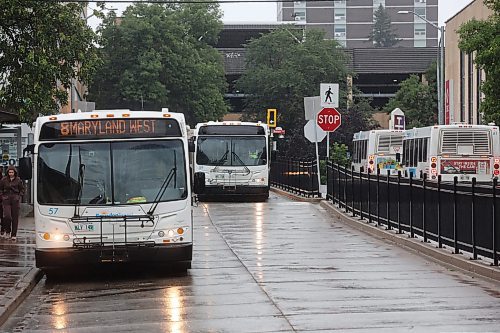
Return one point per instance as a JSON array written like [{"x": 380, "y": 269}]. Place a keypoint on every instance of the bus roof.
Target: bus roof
[
  {"x": 418, "y": 132},
  {"x": 117, "y": 113},
  {"x": 363, "y": 135},
  {"x": 231, "y": 123}
]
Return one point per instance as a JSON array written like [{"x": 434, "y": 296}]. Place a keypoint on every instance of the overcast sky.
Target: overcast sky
[{"x": 267, "y": 12}]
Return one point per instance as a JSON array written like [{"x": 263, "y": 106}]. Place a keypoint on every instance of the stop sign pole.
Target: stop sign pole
[{"x": 329, "y": 119}]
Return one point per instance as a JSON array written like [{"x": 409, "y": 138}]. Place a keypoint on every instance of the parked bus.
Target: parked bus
[
  {"x": 378, "y": 149},
  {"x": 234, "y": 157},
  {"x": 111, "y": 186},
  {"x": 461, "y": 150}
]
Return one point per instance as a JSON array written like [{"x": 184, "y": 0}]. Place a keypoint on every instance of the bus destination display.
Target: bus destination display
[{"x": 109, "y": 128}]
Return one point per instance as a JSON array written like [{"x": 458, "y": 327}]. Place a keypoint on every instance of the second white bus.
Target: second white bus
[{"x": 234, "y": 157}]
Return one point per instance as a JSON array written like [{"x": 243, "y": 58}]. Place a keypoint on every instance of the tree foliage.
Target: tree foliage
[
  {"x": 383, "y": 34},
  {"x": 282, "y": 68},
  {"x": 161, "y": 55},
  {"x": 483, "y": 39},
  {"x": 43, "y": 46},
  {"x": 417, "y": 100}
]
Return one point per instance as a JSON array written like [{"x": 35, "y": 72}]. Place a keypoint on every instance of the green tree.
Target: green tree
[
  {"x": 161, "y": 55},
  {"x": 417, "y": 100},
  {"x": 383, "y": 34},
  {"x": 483, "y": 39},
  {"x": 43, "y": 46},
  {"x": 282, "y": 68}
]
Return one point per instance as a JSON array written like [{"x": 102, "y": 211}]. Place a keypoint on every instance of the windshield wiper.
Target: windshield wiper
[
  {"x": 241, "y": 162},
  {"x": 81, "y": 175},
  {"x": 171, "y": 174},
  {"x": 223, "y": 158}
]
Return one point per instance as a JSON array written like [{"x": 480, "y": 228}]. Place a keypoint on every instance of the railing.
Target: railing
[
  {"x": 461, "y": 216},
  {"x": 298, "y": 177}
]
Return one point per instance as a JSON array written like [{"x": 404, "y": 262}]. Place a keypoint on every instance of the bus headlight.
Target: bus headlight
[
  {"x": 55, "y": 237},
  {"x": 161, "y": 233}
]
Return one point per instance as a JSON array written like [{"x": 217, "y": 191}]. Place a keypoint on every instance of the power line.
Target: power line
[{"x": 184, "y": 1}]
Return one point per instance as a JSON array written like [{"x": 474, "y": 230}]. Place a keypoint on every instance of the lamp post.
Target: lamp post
[{"x": 440, "y": 67}]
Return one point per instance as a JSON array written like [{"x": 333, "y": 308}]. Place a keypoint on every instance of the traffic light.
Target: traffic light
[{"x": 271, "y": 117}]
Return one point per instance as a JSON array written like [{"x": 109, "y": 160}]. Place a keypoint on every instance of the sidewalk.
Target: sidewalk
[{"x": 18, "y": 274}]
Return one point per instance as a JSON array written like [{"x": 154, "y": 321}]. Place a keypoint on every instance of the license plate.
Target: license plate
[
  {"x": 85, "y": 227},
  {"x": 464, "y": 177}
]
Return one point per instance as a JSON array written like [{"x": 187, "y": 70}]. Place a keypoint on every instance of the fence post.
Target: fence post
[
  {"x": 399, "y": 203},
  {"x": 455, "y": 211},
  {"x": 346, "y": 208},
  {"x": 440, "y": 241},
  {"x": 388, "y": 200},
  {"x": 301, "y": 168},
  {"x": 328, "y": 170},
  {"x": 369, "y": 196},
  {"x": 352, "y": 191},
  {"x": 339, "y": 192},
  {"x": 360, "y": 195},
  {"x": 473, "y": 220},
  {"x": 378, "y": 196},
  {"x": 412, "y": 235},
  {"x": 288, "y": 187},
  {"x": 424, "y": 231},
  {"x": 495, "y": 221}
]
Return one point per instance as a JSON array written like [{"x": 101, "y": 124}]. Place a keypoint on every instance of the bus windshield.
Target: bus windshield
[
  {"x": 231, "y": 151},
  {"x": 106, "y": 173}
]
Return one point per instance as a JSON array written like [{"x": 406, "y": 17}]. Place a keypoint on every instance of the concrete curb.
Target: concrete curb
[
  {"x": 295, "y": 197},
  {"x": 442, "y": 256},
  {"x": 18, "y": 294}
]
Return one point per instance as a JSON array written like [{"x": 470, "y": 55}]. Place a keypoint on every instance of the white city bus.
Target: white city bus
[
  {"x": 234, "y": 157},
  {"x": 111, "y": 186},
  {"x": 461, "y": 150},
  {"x": 378, "y": 149}
]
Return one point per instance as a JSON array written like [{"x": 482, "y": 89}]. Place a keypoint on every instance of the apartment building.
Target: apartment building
[
  {"x": 351, "y": 21},
  {"x": 462, "y": 78}
]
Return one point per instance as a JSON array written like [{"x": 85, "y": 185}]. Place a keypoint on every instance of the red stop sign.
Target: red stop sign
[{"x": 329, "y": 119}]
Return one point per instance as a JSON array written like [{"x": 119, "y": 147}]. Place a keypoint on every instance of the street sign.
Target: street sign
[
  {"x": 279, "y": 130},
  {"x": 397, "y": 120},
  {"x": 329, "y": 119},
  {"x": 312, "y": 105},
  {"x": 271, "y": 117},
  {"x": 313, "y": 133},
  {"x": 329, "y": 93}
]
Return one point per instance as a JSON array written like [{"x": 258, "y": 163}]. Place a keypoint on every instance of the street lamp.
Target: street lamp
[{"x": 440, "y": 71}]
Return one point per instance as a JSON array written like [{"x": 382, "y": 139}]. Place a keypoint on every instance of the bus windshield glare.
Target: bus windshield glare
[
  {"x": 231, "y": 151},
  {"x": 106, "y": 173}
]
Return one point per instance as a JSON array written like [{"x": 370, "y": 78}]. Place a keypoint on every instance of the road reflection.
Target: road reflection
[
  {"x": 174, "y": 303},
  {"x": 259, "y": 219},
  {"x": 59, "y": 311}
]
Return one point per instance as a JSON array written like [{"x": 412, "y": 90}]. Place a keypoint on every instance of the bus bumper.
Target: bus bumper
[
  {"x": 158, "y": 254},
  {"x": 237, "y": 190}
]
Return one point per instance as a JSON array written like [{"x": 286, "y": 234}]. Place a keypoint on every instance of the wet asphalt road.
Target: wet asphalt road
[{"x": 280, "y": 266}]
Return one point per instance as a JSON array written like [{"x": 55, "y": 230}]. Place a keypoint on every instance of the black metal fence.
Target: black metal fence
[
  {"x": 461, "y": 216},
  {"x": 299, "y": 177}
]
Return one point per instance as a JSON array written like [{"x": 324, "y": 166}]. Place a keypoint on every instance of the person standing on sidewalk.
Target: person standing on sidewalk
[{"x": 11, "y": 189}]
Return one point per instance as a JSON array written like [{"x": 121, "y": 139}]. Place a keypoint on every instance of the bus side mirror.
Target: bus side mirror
[
  {"x": 199, "y": 182},
  {"x": 398, "y": 157},
  {"x": 25, "y": 170},
  {"x": 191, "y": 146},
  {"x": 274, "y": 155}
]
